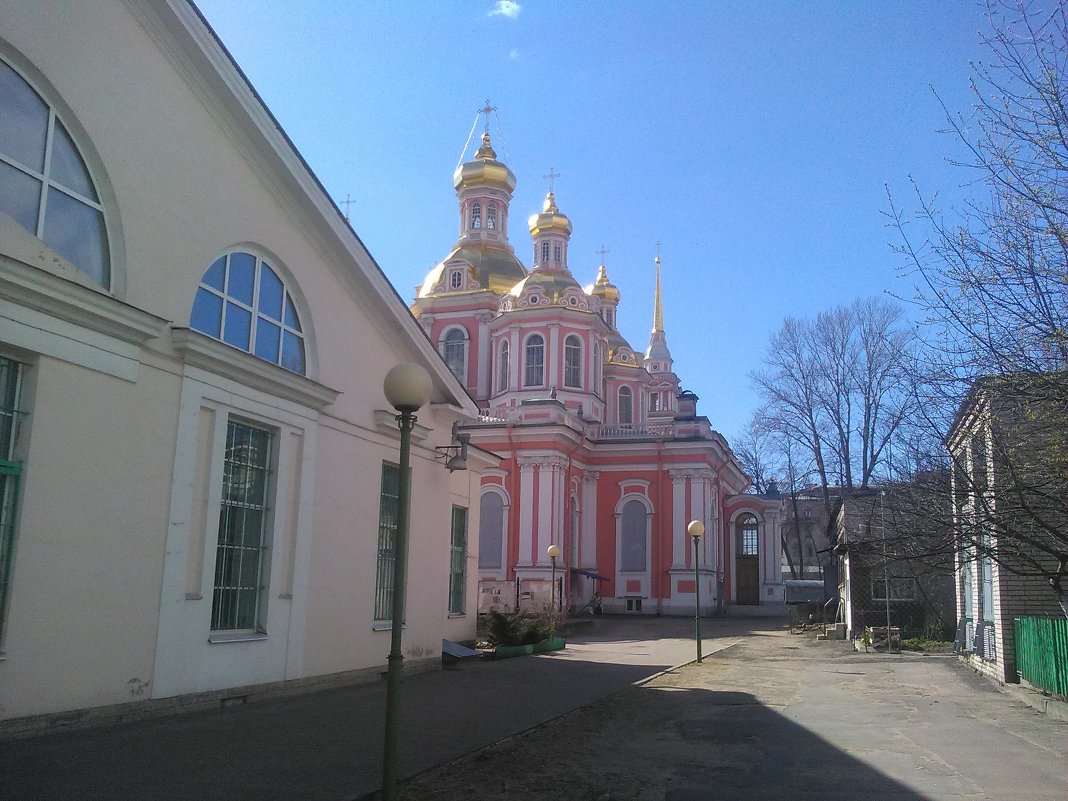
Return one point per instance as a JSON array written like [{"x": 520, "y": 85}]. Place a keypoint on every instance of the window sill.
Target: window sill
[
  {"x": 457, "y": 614},
  {"x": 236, "y": 636},
  {"x": 383, "y": 625}
]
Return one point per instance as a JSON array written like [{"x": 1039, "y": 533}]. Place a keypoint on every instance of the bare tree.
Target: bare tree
[{"x": 992, "y": 281}]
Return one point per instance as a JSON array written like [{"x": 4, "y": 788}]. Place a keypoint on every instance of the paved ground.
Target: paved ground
[
  {"x": 779, "y": 717},
  {"x": 767, "y": 716},
  {"x": 327, "y": 746}
]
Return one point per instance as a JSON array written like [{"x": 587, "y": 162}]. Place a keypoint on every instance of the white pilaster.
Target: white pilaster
[
  {"x": 588, "y": 546},
  {"x": 485, "y": 358},
  {"x": 526, "y": 511},
  {"x": 545, "y": 513},
  {"x": 678, "y": 519}
]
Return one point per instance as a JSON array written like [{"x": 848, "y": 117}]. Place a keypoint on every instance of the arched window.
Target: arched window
[
  {"x": 748, "y": 536},
  {"x": 502, "y": 366},
  {"x": 454, "y": 349},
  {"x": 654, "y": 401},
  {"x": 610, "y": 317},
  {"x": 558, "y": 253},
  {"x": 626, "y": 406},
  {"x": 572, "y": 361},
  {"x": 476, "y": 215},
  {"x": 44, "y": 183},
  {"x": 491, "y": 531},
  {"x": 456, "y": 279},
  {"x": 633, "y": 546},
  {"x": 491, "y": 216},
  {"x": 544, "y": 252},
  {"x": 242, "y": 302},
  {"x": 534, "y": 362}
]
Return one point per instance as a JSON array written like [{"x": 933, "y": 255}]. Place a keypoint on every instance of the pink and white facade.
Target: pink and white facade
[{"x": 603, "y": 454}]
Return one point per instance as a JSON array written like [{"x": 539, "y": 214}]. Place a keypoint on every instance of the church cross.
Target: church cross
[
  {"x": 552, "y": 176},
  {"x": 487, "y": 110},
  {"x": 602, "y": 251},
  {"x": 658, "y": 244},
  {"x": 347, "y": 203}
]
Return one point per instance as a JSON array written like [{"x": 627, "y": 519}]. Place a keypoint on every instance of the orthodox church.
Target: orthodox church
[{"x": 604, "y": 455}]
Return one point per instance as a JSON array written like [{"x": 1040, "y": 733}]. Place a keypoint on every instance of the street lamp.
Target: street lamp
[
  {"x": 553, "y": 551},
  {"x": 407, "y": 388},
  {"x": 696, "y": 529}
]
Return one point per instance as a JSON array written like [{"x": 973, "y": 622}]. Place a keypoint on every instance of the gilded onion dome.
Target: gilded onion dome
[
  {"x": 550, "y": 285},
  {"x": 484, "y": 170},
  {"x": 603, "y": 288},
  {"x": 550, "y": 219}
]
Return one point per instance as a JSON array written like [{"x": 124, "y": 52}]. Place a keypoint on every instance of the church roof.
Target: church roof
[
  {"x": 484, "y": 170},
  {"x": 553, "y": 282}
]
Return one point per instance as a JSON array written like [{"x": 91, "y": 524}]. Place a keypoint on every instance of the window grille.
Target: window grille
[
  {"x": 534, "y": 374},
  {"x": 45, "y": 185},
  {"x": 242, "y": 302},
  {"x": 572, "y": 362},
  {"x": 491, "y": 216},
  {"x": 544, "y": 252},
  {"x": 239, "y": 559},
  {"x": 456, "y": 279},
  {"x": 388, "y": 509},
  {"x": 10, "y": 473},
  {"x": 558, "y": 252},
  {"x": 748, "y": 538},
  {"x": 476, "y": 215},
  {"x": 458, "y": 562}
]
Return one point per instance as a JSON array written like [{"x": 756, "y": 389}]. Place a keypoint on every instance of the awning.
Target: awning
[{"x": 588, "y": 574}]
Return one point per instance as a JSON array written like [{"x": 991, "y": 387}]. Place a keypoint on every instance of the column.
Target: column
[
  {"x": 545, "y": 513},
  {"x": 526, "y": 510},
  {"x": 588, "y": 546},
  {"x": 485, "y": 357},
  {"x": 678, "y": 519}
]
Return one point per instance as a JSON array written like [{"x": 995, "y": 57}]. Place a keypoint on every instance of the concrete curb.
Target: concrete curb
[{"x": 1051, "y": 707}]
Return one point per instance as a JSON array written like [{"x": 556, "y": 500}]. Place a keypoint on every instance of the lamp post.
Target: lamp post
[
  {"x": 553, "y": 551},
  {"x": 696, "y": 529},
  {"x": 407, "y": 388}
]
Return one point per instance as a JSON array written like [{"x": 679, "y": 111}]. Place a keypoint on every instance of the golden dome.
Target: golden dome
[
  {"x": 484, "y": 170},
  {"x": 603, "y": 288},
  {"x": 550, "y": 219},
  {"x": 553, "y": 283},
  {"x": 496, "y": 268}
]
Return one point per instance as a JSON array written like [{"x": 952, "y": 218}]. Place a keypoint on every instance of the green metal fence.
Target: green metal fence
[{"x": 1042, "y": 653}]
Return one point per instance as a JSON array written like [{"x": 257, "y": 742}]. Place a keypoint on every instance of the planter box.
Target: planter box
[
  {"x": 508, "y": 651},
  {"x": 552, "y": 644}
]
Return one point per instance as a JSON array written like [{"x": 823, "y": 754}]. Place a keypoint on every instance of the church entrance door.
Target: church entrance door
[{"x": 747, "y": 574}]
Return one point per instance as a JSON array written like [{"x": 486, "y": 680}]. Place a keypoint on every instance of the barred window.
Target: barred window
[
  {"x": 748, "y": 537},
  {"x": 388, "y": 510},
  {"x": 491, "y": 216},
  {"x": 237, "y": 600},
  {"x": 10, "y": 473},
  {"x": 458, "y": 562},
  {"x": 476, "y": 215}
]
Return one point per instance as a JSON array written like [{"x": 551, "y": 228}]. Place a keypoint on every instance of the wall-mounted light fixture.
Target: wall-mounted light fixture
[{"x": 455, "y": 455}]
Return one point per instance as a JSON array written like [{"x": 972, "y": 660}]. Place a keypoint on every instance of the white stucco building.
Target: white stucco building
[{"x": 196, "y": 458}]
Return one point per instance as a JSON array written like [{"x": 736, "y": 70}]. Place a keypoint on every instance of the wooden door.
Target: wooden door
[{"x": 747, "y": 574}]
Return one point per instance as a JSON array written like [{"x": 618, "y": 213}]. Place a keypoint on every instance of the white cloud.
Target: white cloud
[
  {"x": 506, "y": 8},
  {"x": 513, "y": 55}
]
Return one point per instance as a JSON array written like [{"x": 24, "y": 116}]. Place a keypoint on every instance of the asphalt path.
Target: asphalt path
[{"x": 327, "y": 745}]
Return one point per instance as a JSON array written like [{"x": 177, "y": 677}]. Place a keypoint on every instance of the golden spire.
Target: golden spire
[
  {"x": 602, "y": 275},
  {"x": 658, "y": 312},
  {"x": 550, "y": 204}
]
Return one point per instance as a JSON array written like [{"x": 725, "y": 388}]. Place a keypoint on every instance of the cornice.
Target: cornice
[
  {"x": 84, "y": 306},
  {"x": 215, "y": 357}
]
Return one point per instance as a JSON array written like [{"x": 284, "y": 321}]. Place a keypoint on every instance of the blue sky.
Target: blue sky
[{"x": 754, "y": 140}]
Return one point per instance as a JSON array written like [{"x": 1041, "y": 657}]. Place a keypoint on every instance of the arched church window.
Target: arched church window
[
  {"x": 633, "y": 546},
  {"x": 476, "y": 215},
  {"x": 241, "y": 301},
  {"x": 502, "y": 366},
  {"x": 572, "y": 361},
  {"x": 610, "y": 317},
  {"x": 491, "y": 531},
  {"x": 558, "y": 253},
  {"x": 491, "y": 216},
  {"x": 45, "y": 185},
  {"x": 748, "y": 536},
  {"x": 456, "y": 279},
  {"x": 534, "y": 361},
  {"x": 544, "y": 252},
  {"x": 454, "y": 349},
  {"x": 626, "y": 406}
]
